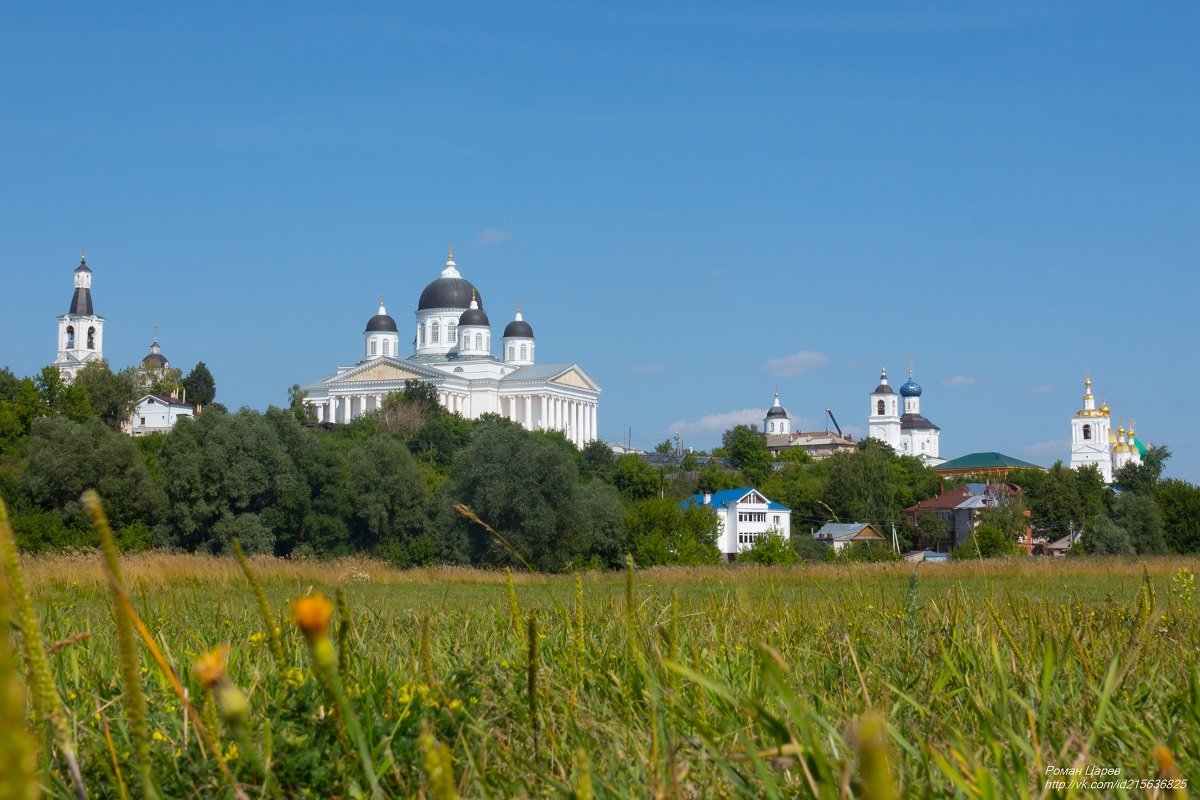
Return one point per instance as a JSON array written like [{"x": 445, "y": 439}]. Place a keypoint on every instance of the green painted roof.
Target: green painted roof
[{"x": 985, "y": 461}]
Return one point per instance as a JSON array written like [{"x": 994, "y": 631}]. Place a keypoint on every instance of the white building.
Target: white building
[
  {"x": 80, "y": 330},
  {"x": 779, "y": 436},
  {"x": 157, "y": 414},
  {"x": 909, "y": 433},
  {"x": 743, "y": 516},
  {"x": 1093, "y": 440},
  {"x": 453, "y": 351}
]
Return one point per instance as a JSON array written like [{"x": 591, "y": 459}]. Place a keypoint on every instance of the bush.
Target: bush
[
  {"x": 988, "y": 541},
  {"x": 865, "y": 552},
  {"x": 809, "y": 549},
  {"x": 769, "y": 549},
  {"x": 39, "y": 531}
]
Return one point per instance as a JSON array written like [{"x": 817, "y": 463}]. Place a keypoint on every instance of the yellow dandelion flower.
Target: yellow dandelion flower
[
  {"x": 210, "y": 667},
  {"x": 312, "y": 615},
  {"x": 159, "y": 736}
]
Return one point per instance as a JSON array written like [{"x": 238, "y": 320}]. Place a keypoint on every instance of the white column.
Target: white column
[
  {"x": 595, "y": 422},
  {"x": 528, "y": 412}
]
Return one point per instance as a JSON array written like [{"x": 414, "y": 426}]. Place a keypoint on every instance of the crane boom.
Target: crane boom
[{"x": 833, "y": 419}]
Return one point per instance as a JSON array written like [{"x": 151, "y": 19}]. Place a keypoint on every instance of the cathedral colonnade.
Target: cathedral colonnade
[{"x": 576, "y": 418}]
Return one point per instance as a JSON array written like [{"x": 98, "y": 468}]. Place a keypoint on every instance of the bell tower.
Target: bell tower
[{"x": 81, "y": 329}]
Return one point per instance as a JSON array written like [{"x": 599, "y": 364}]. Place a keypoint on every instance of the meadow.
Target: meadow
[{"x": 971, "y": 679}]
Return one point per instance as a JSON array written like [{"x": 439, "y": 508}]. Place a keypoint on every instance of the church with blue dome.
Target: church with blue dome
[
  {"x": 453, "y": 349},
  {"x": 896, "y": 418}
]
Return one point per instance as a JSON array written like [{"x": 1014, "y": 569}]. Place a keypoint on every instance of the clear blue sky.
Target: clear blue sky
[{"x": 697, "y": 202}]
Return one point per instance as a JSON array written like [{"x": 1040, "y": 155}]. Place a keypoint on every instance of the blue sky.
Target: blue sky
[{"x": 697, "y": 202}]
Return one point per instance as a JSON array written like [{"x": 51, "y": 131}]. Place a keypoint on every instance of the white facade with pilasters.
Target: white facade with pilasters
[{"x": 452, "y": 351}]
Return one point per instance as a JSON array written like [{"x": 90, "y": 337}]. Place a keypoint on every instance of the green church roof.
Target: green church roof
[{"x": 985, "y": 461}]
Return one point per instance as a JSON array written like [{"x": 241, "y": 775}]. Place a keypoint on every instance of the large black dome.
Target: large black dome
[
  {"x": 382, "y": 322},
  {"x": 154, "y": 361},
  {"x": 776, "y": 411},
  {"x": 449, "y": 293},
  {"x": 518, "y": 327}
]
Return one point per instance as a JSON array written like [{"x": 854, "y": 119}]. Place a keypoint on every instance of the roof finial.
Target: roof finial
[
  {"x": 156, "y": 334},
  {"x": 910, "y": 366},
  {"x": 451, "y": 256},
  {"x": 82, "y": 253}
]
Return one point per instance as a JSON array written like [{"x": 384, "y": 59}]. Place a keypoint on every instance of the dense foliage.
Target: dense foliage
[{"x": 389, "y": 483}]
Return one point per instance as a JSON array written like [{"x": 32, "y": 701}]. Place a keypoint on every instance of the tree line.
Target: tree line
[{"x": 415, "y": 484}]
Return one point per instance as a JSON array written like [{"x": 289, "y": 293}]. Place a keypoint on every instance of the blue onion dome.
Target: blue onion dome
[
  {"x": 381, "y": 321},
  {"x": 910, "y": 388}
]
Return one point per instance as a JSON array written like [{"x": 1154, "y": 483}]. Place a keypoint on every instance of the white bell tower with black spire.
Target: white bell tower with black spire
[{"x": 81, "y": 329}]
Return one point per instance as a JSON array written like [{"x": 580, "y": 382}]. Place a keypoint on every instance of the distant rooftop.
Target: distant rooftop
[{"x": 984, "y": 461}]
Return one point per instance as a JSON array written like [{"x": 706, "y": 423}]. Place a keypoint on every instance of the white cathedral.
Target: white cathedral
[
  {"x": 909, "y": 433},
  {"x": 1093, "y": 440},
  {"x": 453, "y": 351}
]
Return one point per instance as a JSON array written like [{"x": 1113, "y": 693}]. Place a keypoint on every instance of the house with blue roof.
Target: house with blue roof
[{"x": 743, "y": 516}]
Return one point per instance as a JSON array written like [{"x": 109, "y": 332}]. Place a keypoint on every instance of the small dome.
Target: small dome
[
  {"x": 883, "y": 387},
  {"x": 154, "y": 361},
  {"x": 473, "y": 316},
  {"x": 910, "y": 388},
  {"x": 777, "y": 411},
  {"x": 518, "y": 328},
  {"x": 450, "y": 290},
  {"x": 382, "y": 321}
]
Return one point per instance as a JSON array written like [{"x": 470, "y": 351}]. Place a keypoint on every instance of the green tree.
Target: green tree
[
  {"x": 218, "y": 466},
  {"x": 165, "y": 382},
  {"x": 747, "y": 452},
  {"x": 769, "y": 549},
  {"x": 200, "y": 385},
  {"x": 1180, "y": 505},
  {"x": 1141, "y": 518},
  {"x": 1143, "y": 478},
  {"x": 662, "y": 532},
  {"x": 66, "y": 457},
  {"x": 714, "y": 477},
  {"x": 526, "y": 488},
  {"x": 988, "y": 541},
  {"x": 387, "y": 491},
  {"x": 635, "y": 479},
  {"x": 296, "y": 405},
  {"x": 861, "y": 485},
  {"x": 112, "y": 396},
  {"x": 665, "y": 448},
  {"x": 1102, "y": 536},
  {"x": 597, "y": 460},
  {"x": 1053, "y": 498},
  {"x": 60, "y": 398}
]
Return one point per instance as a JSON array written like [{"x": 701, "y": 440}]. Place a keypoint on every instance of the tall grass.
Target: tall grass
[{"x": 967, "y": 680}]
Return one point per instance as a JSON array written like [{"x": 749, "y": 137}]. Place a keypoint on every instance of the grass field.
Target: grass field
[{"x": 964, "y": 679}]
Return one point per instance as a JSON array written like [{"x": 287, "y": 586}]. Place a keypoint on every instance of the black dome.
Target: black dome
[
  {"x": 518, "y": 327},
  {"x": 883, "y": 388},
  {"x": 449, "y": 293},
  {"x": 777, "y": 411},
  {"x": 473, "y": 316},
  {"x": 381, "y": 322},
  {"x": 154, "y": 361}
]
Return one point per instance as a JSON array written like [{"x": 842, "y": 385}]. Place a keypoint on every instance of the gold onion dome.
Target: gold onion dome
[{"x": 1104, "y": 409}]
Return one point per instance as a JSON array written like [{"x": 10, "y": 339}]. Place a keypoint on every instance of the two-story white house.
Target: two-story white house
[{"x": 743, "y": 515}]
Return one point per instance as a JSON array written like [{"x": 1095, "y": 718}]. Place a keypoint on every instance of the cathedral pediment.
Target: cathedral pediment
[
  {"x": 386, "y": 370},
  {"x": 576, "y": 377}
]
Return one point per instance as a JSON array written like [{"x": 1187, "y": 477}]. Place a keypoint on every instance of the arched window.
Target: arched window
[
  {"x": 523, "y": 356},
  {"x": 373, "y": 347},
  {"x": 772, "y": 427},
  {"x": 420, "y": 336},
  {"x": 70, "y": 337},
  {"x": 1087, "y": 431},
  {"x": 466, "y": 342},
  {"x": 433, "y": 333},
  {"x": 452, "y": 332},
  {"x": 386, "y": 348},
  {"x": 91, "y": 338},
  {"x": 879, "y": 408},
  {"x": 512, "y": 352},
  {"x": 479, "y": 341}
]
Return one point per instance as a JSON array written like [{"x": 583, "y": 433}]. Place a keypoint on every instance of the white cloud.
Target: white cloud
[
  {"x": 1045, "y": 388},
  {"x": 647, "y": 369},
  {"x": 960, "y": 380},
  {"x": 1051, "y": 447},
  {"x": 490, "y": 236},
  {"x": 795, "y": 364},
  {"x": 718, "y": 423}
]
